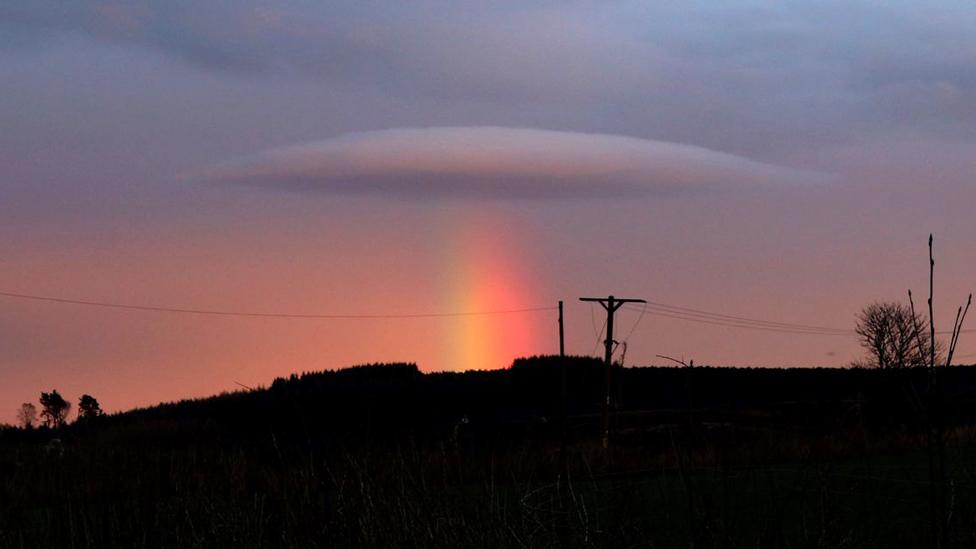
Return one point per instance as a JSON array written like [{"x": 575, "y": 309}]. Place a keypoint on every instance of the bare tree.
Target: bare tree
[
  {"x": 940, "y": 517},
  {"x": 893, "y": 337},
  {"x": 55, "y": 409},
  {"x": 27, "y": 415}
]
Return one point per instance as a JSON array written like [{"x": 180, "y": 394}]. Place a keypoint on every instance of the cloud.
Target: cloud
[
  {"x": 424, "y": 48},
  {"x": 501, "y": 163},
  {"x": 753, "y": 78}
]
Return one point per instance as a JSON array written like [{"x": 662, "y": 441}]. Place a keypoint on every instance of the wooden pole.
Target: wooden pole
[
  {"x": 610, "y": 304},
  {"x": 562, "y": 394},
  {"x": 562, "y": 342},
  {"x": 608, "y": 358}
]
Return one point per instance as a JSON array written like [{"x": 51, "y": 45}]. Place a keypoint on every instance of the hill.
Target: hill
[{"x": 385, "y": 455}]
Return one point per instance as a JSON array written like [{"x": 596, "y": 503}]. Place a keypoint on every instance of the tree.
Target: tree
[
  {"x": 88, "y": 408},
  {"x": 55, "y": 409},
  {"x": 893, "y": 338},
  {"x": 27, "y": 415}
]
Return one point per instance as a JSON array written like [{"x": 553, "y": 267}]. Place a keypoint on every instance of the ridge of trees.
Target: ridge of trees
[{"x": 55, "y": 410}]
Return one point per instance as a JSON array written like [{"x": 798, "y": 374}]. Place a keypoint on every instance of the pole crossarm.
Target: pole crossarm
[{"x": 611, "y": 301}]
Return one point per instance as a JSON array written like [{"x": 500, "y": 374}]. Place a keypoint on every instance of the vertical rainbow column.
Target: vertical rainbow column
[{"x": 488, "y": 275}]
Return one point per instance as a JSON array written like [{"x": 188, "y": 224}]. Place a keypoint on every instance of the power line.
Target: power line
[
  {"x": 124, "y": 306},
  {"x": 593, "y": 324},
  {"x": 596, "y": 344},
  {"x": 717, "y": 321},
  {"x": 674, "y": 309},
  {"x": 733, "y": 321},
  {"x": 636, "y": 323},
  {"x": 746, "y": 325},
  {"x": 734, "y": 324},
  {"x": 653, "y": 308}
]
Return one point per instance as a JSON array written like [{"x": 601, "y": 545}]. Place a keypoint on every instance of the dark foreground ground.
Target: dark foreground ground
[{"x": 385, "y": 456}]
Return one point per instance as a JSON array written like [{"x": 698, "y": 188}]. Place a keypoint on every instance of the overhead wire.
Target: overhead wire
[
  {"x": 744, "y": 325},
  {"x": 593, "y": 322},
  {"x": 721, "y": 319},
  {"x": 653, "y": 308},
  {"x": 312, "y": 316},
  {"x": 636, "y": 324},
  {"x": 674, "y": 309},
  {"x": 596, "y": 344}
]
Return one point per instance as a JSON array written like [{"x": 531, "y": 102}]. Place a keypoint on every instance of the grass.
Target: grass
[{"x": 204, "y": 494}]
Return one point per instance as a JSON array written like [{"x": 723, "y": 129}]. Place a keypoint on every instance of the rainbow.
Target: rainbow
[{"x": 488, "y": 273}]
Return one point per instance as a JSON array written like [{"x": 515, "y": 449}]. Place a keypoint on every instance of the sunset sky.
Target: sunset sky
[{"x": 773, "y": 160}]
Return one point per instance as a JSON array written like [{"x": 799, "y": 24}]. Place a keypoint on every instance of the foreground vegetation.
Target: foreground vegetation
[{"x": 388, "y": 457}]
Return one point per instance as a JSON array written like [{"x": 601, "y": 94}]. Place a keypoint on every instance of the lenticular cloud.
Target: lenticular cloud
[{"x": 502, "y": 163}]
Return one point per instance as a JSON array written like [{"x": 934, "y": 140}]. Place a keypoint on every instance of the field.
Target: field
[{"x": 384, "y": 456}]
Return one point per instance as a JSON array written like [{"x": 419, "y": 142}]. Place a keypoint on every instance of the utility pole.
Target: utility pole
[
  {"x": 562, "y": 346},
  {"x": 610, "y": 304},
  {"x": 562, "y": 394}
]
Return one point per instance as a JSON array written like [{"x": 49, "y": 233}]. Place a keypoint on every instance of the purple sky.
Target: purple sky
[{"x": 784, "y": 161}]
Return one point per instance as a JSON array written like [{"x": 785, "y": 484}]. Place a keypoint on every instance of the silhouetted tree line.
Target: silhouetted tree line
[
  {"x": 387, "y": 402},
  {"x": 375, "y": 398},
  {"x": 55, "y": 410}
]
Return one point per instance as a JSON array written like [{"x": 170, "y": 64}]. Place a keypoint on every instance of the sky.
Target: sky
[{"x": 781, "y": 161}]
